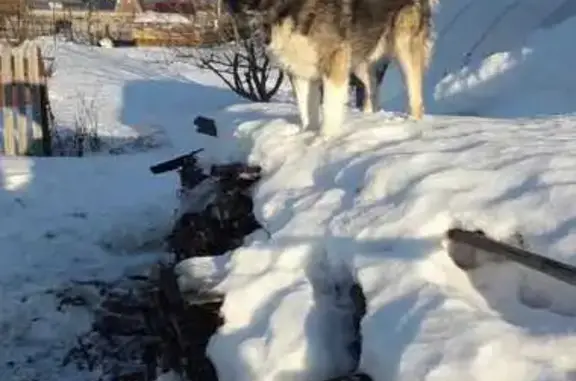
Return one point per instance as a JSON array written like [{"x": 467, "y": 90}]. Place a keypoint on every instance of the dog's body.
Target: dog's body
[{"x": 321, "y": 42}]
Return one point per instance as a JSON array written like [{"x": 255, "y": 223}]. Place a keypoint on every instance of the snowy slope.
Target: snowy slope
[
  {"x": 533, "y": 80},
  {"x": 374, "y": 205}
]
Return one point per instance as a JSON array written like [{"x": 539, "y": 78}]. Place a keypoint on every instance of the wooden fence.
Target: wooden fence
[
  {"x": 24, "y": 101},
  {"x": 129, "y": 27},
  {"x": 79, "y": 26}
]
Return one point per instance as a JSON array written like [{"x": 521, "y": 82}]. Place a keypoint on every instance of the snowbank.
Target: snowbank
[
  {"x": 374, "y": 205},
  {"x": 533, "y": 79}
]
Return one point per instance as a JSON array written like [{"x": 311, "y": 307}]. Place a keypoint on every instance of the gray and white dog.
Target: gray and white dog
[{"x": 321, "y": 42}]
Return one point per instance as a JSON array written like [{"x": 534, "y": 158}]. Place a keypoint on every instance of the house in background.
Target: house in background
[
  {"x": 161, "y": 6},
  {"x": 172, "y": 6},
  {"x": 129, "y": 6},
  {"x": 71, "y": 4},
  {"x": 8, "y": 7},
  {"x": 180, "y": 6}
]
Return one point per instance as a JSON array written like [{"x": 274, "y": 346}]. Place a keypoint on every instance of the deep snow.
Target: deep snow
[
  {"x": 370, "y": 205},
  {"x": 374, "y": 204}
]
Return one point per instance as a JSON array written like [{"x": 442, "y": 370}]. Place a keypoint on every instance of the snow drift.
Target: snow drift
[{"x": 375, "y": 203}]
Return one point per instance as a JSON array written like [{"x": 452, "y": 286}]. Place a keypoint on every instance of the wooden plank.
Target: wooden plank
[
  {"x": 558, "y": 270},
  {"x": 45, "y": 117},
  {"x": 1, "y": 86},
  {"x": 7, "y": 111},
  {"x": 20, "y": 100},
  {"x": 35, "y": 84}
]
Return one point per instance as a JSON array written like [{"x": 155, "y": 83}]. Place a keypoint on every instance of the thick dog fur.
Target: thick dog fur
[{"x": 320, "y": 42}]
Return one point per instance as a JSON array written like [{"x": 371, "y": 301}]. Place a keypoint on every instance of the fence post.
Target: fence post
[
  {"x": 36, "y": 85},
  {"x": 7, "y": 111},
  {"x": 19, "y": 96},
  {"x": 43, "y": 104}
]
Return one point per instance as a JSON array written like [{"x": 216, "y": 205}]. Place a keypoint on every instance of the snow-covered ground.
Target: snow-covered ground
[
  {"x": 371, "y": 206},
  {"x": 99, "y": 216}
]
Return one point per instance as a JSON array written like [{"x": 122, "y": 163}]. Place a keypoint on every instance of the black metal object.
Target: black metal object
[
  {"x": 46, "y": 117},
  {"x": 558, "y": 270},
  {"x": 206, "y": 126},
  {"x": 176, "y": 163},
  {"x": 187, "y": 165}
]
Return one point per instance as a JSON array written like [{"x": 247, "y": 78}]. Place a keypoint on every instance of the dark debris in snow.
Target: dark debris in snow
[{"x": 143, "y": 326}]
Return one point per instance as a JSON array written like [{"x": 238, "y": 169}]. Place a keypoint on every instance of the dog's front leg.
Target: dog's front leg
[
  {"x": 411, "y": 54},
  {"x": 335, "y": 82},
  {"x": 307, "y": 93}
]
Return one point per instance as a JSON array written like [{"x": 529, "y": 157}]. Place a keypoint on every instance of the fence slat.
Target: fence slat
[
  {"x": 36, "y": 84},
  {"x": 44, "y": 104},
  {"x": 20, "y": 95},
  {"x": 7, "y": 111}
]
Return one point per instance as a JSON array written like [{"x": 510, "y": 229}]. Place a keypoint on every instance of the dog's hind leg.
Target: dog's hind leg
[
  {"x": 307, "y": 93},
  {"x": 335, "y": 86},
  {"x": 411, "y": 53},
  {"x": 370, "y": 75}
]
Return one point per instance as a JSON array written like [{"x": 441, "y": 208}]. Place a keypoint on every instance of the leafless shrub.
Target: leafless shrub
[
  {"x": 86, "y": 128},
  {"x": 241, "y": 62},
  {"x": 84, "y": 138}
]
